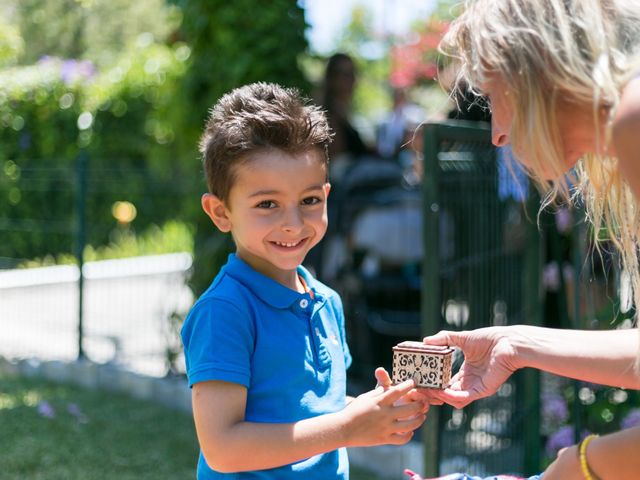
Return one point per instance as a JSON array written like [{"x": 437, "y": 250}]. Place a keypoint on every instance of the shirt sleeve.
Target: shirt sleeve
[{"x": 218, "y": 341}]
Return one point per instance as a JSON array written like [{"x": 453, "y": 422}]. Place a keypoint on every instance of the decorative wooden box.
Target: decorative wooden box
[{"x": 428, "y": 365}]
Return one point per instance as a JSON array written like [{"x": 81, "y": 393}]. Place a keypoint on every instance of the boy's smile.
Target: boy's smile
[{"x": 276, "y": 211}]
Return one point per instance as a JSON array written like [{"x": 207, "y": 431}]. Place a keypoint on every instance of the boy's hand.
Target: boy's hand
[
  {"x": 386, "y": 415},
  {"x": 382, "y": 378},
  {"x": 416, "y": 395}
]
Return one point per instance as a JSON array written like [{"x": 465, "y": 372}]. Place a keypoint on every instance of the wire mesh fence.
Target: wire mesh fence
[
  {"x": 127, "y": 310},
  {"x": 485, "y": 274}
]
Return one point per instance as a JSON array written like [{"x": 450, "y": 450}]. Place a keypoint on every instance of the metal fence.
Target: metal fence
[
  {"x": 481, "y": 268},
  {"x": 123, "y": 310}
]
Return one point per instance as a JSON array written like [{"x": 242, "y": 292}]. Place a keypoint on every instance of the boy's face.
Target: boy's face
[{"x": 277, "y": 209}]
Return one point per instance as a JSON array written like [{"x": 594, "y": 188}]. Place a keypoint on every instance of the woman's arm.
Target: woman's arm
[
  {"x": 613, "y": 456},
  {"x": 230, "y": 444},
  {"x": 493, "y": 354},
  {"x": 606, "y": 357}
]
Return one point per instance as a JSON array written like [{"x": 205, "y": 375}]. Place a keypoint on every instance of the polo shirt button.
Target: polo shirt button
[{"x": 304, "y": 303}]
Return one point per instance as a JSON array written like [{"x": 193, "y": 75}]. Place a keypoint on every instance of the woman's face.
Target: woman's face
[
  {"x": 497, "y": 95},
  {"x": 575, "y": 125}
]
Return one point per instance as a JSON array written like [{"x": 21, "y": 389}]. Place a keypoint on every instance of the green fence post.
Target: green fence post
[
  {"x": 81, "y": 199},
  {"x": 431, "y": 284},
  {"x": 577, "y": 247},
  {"x": 533, "y": 302}
]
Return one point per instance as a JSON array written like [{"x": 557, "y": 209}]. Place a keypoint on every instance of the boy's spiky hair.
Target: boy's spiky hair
[{"x": 256, "y": 117}]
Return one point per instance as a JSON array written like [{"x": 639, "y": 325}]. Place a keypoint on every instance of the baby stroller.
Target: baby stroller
[{"x": 374, "y": 259}]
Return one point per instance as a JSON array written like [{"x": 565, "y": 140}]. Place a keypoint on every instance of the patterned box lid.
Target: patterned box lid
[{"x": 419, "y": 347}]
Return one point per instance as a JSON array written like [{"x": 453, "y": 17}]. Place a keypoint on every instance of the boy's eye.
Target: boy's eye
[
  {"x": 266, "y": 204},
  {"x": 311, "y": 201}
]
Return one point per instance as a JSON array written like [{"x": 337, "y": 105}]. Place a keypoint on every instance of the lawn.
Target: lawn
[{"x": 62, "y": 432}]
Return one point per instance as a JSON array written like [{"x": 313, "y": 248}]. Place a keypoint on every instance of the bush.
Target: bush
[{"x": 120, "y": 118}]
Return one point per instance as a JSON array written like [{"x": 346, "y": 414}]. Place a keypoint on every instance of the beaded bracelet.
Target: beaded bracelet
[{"x": 582, "y": 455}]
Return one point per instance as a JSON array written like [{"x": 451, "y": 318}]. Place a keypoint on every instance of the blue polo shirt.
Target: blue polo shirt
[{"x": 288, "y": 349}]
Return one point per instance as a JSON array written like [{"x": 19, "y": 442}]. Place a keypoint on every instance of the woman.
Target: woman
[{"x": 563, "y": 81}]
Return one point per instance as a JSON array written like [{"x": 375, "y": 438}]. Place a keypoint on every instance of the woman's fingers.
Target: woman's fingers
[{"x": 446, "y": 338}]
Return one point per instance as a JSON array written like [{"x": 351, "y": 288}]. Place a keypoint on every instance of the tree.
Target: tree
[{"x": 96, "y": 30}]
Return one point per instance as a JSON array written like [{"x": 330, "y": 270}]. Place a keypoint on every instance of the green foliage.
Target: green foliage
[
  {"x": 121, "y": 118},
  {"x": 172, "y": 237},
  {"x": 372, "y": 96},
  {"x": 235, "y": 43},
  {"x": 590, "y": 409},
  {"x": 11, "y": 44},
  {"x": 96, "y": 30}
]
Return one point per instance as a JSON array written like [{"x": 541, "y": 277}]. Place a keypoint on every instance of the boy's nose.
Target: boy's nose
[{"x": 292, "y": 220}]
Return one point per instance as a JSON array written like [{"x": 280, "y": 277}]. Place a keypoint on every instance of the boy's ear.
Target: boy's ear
[
  {"x": 327, "y": 189},
  {"x": 215, "y": 208}
]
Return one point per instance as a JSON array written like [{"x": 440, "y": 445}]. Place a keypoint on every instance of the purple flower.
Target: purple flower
[
  {"x": 74, "y": 411},
  {"x": 45, "y": 409},
  {"x": 631, "y": 419},
  {"x": 563, "y": 437},
  {"x": 564, "y": 222},
  {"x": 46, "y": 59},
  {"x": 72, "y": 71},
  {"x": 554, "y": 408},
  {"x": 551, "y": 277}
]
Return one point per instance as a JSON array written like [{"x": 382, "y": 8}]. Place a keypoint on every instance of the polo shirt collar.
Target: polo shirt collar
[{"x": 267, "y": 289}]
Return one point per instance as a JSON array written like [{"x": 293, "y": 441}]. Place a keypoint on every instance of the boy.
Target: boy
[{"x": 265, "y": 345}]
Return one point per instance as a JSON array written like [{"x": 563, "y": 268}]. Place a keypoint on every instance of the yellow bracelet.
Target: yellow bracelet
[{"x": 582, "y": 454}]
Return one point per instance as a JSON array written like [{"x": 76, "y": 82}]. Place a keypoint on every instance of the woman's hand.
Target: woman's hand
[{"x": 489, "y": 360}]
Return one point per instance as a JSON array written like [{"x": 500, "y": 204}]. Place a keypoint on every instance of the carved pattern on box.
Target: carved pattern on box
[{"x": 428, "y": 365}]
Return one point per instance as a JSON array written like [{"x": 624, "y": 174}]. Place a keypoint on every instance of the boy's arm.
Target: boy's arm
[{"x": 230, "y": 444}]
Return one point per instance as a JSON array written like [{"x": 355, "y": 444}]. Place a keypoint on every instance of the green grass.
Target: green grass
[
  {"x": 93, "y": 435},
  {"x": 115, "y": 437}
]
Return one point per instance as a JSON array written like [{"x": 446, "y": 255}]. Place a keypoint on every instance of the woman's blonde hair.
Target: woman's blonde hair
[{"x": 582, "y": 51}]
